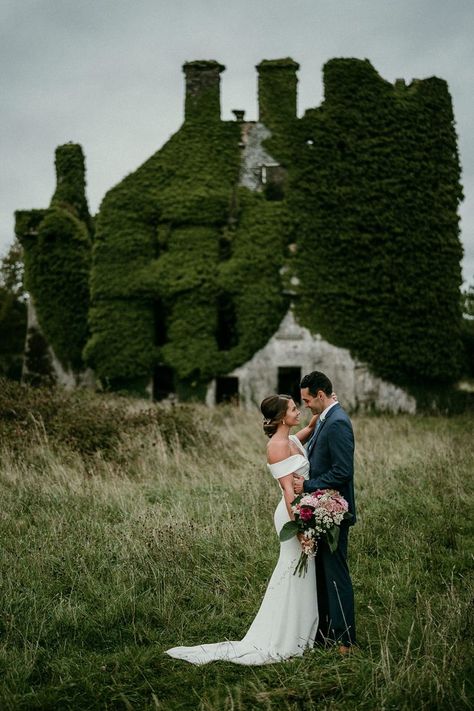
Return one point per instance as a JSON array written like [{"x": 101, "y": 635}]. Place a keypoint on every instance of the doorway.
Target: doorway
[
  {"x": 163, "y": 382},
  {"x": 289, "y": 378},
  {"x": 227, "y": 390}
]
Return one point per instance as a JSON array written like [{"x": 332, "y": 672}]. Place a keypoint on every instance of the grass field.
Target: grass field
[{"x": 111, "y": 557}]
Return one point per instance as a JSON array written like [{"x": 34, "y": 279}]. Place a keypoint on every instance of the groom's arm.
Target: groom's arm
[{"x": 341, "y": 446}]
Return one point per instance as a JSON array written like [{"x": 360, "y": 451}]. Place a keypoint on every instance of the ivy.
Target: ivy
[
  {"x": 70, "y": 193},
  {"x": 57, "y": 245},
  {"x": 375, "y": 185},
  {"x": 202, "y": 104},
  {"x": 252, "y": 275},
  {"x": 191, "y": 271},
  {"x": 179, "y": 250},
  {"x": 277, "y": 84}
]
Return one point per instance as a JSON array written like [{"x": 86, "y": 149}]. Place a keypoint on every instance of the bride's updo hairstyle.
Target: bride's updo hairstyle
[{"x": 274, "y": 409}]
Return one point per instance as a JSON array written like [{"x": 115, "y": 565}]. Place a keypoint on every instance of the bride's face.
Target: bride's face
[{"x": 293, "y": 415}]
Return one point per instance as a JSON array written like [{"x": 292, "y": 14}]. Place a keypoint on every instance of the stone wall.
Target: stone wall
[
  {"x": 294, "y": 346},
  {"x": 254, "y": 155}
]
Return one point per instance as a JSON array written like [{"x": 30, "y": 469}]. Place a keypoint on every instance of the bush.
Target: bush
[
  {"x": 447, "y": 400},
  {"x": 86, "y": 423},
  {"x": 467, "y": 335}
]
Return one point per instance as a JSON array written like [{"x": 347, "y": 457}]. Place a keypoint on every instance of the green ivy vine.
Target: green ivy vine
[{"x": 57, "y": 249}]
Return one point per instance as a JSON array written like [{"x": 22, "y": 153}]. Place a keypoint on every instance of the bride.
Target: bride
[{"x": 287, "y": 620}]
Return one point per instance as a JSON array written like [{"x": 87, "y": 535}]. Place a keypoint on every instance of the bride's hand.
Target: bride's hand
[
  {"x": 312, "y": 422},
  {"x": 334, "y": 397},
  {"x": 298, "y": 484}
]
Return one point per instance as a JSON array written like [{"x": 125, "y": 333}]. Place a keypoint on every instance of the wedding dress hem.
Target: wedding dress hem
[{"x": 286, "y": 623}]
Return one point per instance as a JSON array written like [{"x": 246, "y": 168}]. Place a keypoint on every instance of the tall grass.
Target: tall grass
[{"x": 108, "y": 558}]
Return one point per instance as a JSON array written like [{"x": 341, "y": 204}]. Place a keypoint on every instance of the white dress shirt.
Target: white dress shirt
[{"x": 322, "y": 416}]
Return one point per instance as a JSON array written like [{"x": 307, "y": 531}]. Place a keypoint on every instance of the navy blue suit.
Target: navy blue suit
[{"x": 331, "y": 459}]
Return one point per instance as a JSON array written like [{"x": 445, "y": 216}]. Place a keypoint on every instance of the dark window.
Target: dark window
[
  {"x": 225, "y": 248},
  {"x": 289, "y": 379},
  {"x": 274, "y": 192},
  {"x": 342, "y": 146},
  {"x": 274, "y": 174},
  {"x": 227, "y": 390},
  {"x": 226, "y": 335},
  {"x": 160, "y": 324},
  {"x": 273, "y": 181},
  {"x": 163, "y": 382}
]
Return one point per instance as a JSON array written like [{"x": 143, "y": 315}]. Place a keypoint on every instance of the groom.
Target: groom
[{"x": 331, "y": 457}]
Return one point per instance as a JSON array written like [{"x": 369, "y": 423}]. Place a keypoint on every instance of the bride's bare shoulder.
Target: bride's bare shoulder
[{"x": 278, "y": 449}]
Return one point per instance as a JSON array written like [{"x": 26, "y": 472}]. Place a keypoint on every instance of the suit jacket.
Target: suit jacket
[{"x": 331, "y": 457}]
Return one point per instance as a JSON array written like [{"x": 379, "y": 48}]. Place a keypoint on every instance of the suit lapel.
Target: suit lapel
[
  {"x": 320, "y": 427},
  {"x": 316, "y": 435}
]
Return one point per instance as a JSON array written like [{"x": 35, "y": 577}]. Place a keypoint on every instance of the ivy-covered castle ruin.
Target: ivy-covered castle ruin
[{"x": 339, "y": 227}]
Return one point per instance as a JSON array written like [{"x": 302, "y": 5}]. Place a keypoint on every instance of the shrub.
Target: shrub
[{"x": 87, "y": 423}]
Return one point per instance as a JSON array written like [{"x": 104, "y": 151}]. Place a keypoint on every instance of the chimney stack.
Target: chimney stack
[
  {"x": 71, "y": 181},
  {"x": 202, "y": 102},
  {"x": 277, "y": 82}
]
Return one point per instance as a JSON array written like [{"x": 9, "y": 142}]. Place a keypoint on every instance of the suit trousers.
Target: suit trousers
[{"x": 335, "y": 593}]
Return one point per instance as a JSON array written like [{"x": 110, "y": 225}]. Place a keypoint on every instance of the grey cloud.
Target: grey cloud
[{"x": 108, "y": 74}]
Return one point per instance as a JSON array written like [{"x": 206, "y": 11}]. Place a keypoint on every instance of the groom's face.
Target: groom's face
[{"x": 313, "y": 402}]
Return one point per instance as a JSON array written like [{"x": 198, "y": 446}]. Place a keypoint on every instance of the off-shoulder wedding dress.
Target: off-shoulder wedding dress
[{"x": 287, "y": 620}]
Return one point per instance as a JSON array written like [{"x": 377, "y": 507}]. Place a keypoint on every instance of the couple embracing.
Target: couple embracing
[{"x": 296, "y": 612}]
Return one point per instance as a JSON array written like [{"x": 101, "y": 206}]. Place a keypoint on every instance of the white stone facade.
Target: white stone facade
[
  {"x": 254, "y": 155},
  {"x": 295, "y": 346}
]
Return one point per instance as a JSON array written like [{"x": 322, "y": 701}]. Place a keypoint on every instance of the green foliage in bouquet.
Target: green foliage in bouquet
[
  {"x": 298, "y": 525},
  {"x": 375, "y": 189},
  {"x": 289, "y": 530}
]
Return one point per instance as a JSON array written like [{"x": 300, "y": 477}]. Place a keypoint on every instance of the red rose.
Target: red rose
[{"x": 306, "y": 513}]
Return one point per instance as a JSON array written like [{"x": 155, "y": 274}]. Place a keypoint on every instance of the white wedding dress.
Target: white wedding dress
[{"x": 287, "y": 620}]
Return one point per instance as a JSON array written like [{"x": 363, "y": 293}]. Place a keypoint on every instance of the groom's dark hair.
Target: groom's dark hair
[{"x": 317, "y": 381}]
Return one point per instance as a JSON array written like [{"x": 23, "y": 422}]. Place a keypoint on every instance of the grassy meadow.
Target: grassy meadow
[{"x": 128, "y": 530}]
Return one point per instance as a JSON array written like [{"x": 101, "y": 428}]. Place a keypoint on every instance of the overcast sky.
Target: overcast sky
[{"x": 107, "y": 74}]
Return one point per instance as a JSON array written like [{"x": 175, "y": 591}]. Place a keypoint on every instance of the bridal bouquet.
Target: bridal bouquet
[{"x": 317, "y": 515}]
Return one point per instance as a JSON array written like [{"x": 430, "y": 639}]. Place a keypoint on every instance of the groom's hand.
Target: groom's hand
[{"x": 298, "y": 484}]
